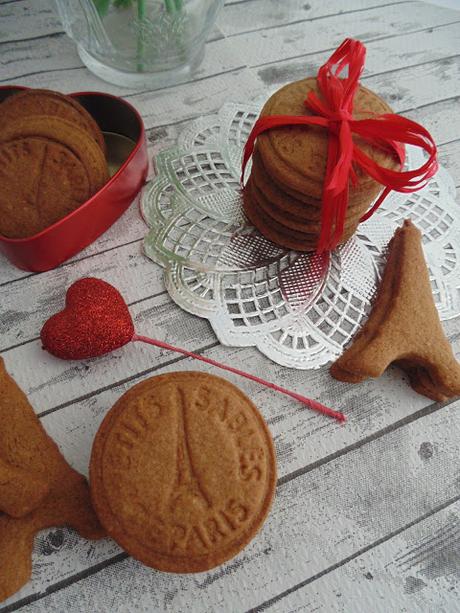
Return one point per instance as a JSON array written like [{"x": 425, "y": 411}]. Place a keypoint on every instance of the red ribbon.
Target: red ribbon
[
  {"x": 309, "y": 402},
  {"x": 334, "y": 111}
]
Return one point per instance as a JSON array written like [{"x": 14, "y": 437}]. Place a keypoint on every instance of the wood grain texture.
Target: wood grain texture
[
  {"x": 367, "y": 514},
  {"x": 386, "y": 57},
  {"x": 406, "y": 572},
  {"x": 264, "y": 46},
  {"x": 319, "y": 519},
  {"x": 37, "y": 19}
]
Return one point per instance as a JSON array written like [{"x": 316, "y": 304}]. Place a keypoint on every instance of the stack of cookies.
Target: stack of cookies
[
  {"x": 52, "y": 159},
  {"x": 283, "y": 196}
]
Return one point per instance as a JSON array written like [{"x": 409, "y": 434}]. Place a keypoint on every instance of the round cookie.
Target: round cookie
[
  {"x": 296, "y": 155},
  {"x": 290, "y": 221},
  {"x": 279, "y": 234},
  {"x": 57, "y": 130},
  {"x": 283, "y": 205},
  {"x": 40, "y": 182},
  {"x": 302, "y": 207},
  {"x": 355, "y": 199},
  {"x": 183, "y": 471},
  {"x": 296, "y": 203},
  {"x": 47, "y": 102}
]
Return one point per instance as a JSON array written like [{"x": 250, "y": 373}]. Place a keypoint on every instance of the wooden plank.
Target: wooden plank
[
  {"x": 261, "y": 14},
  {"x": 20, "y": 61},
  {"x": 56, "y": 52},
  {"x": 383, "y": 54},
  {"x": 293, "y": 40},
  {"x": 164, "y": 106},
  {"x": 53, "y": 385},
  {"x": 449, "y": 155},
  {"x": 439, "y": 119},
  {"x": 133, "y": 274},
  {"x": 59, "y": 53},
  {"x": 415, "y": 570},
  {"x": 38, "y": 18},
  {"x": 334, "y": 469},
  {"x": 418, "y": 85},
  {"x": 320, "y": 517}
]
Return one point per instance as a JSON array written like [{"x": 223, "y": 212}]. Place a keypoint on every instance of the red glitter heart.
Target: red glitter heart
[{"x": 96, "y": 320}]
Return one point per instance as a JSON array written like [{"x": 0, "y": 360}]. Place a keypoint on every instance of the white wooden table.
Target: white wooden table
[{"x": 367, "y": 515}]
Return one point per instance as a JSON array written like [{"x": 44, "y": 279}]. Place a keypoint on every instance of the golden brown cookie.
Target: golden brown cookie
[
  {"x": 20, "y": 491},
  {"x": 421, "y": 382},
  {"x": 404, "y": 327},
  {"x": 301, "y": 204},
  {"x": 290, "y": 221},
  {"x": 279, "y": 234},
  {"x": 296, "y": 155},
  {"x": 51, "y": 103},
  {"x": 62, "y": 132},
  {"x": 183, "y": 471},
  {"x": 25, "y": 445},
  {"x": 41, "y": 181},
  {"x": 48, "y": 168}
]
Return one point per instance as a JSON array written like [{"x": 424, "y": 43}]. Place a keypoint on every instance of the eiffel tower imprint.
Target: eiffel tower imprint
[
  {"x": 204, "y": 473},
  {"x": 187, "y": 491}
]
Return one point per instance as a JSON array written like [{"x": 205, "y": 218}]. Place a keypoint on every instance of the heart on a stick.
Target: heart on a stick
[{"x": 95, "y": 321}]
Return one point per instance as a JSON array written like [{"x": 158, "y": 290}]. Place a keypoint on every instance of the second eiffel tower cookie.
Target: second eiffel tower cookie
[{"x": 183, "y": 471}]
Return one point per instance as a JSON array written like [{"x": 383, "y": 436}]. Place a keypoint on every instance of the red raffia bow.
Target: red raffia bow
[{"x": 334, "y": 111}]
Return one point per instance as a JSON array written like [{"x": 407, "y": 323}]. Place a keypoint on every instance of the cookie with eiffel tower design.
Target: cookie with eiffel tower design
[
  {"x": 183, "y": 471},
  {"x": 38, "y": 488}
]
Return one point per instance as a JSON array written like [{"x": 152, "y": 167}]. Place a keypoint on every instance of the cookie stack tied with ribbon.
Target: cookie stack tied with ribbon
[
  {"x": 52, "y": 159},
  {"x": 326, "y": 148}
]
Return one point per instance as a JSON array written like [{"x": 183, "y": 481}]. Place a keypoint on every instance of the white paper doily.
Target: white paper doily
[{"x": 298, "y": 309}]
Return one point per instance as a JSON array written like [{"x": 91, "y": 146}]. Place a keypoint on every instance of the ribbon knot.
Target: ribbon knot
[
  {"x": 333, "y": 110},
  {"x": 340, "y": 115}
]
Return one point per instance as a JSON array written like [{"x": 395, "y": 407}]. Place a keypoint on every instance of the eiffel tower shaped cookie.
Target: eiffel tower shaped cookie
[
  {"x": 32, "y": 458},
  {"x": 404, "y": 327},
  {"x": 20, "y": 491}
]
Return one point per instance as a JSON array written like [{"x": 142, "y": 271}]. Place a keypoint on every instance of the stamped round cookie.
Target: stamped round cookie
[
  {"x": 290, "y": 220},
  {"x": 183, "y": 471},
  {"x": 277, "y": 232},
  {"x": 47, "y": 102},
  {"x": 298, "y": 203},
  {"x": 57, "y": 130},
  {"x": 40, "y": 182},
  {"x": 306, "y": 207},
  {"x": 297, "y": 155}
]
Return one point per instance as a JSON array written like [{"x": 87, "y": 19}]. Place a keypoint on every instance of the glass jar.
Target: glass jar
[{"x": 140, "y": 43}]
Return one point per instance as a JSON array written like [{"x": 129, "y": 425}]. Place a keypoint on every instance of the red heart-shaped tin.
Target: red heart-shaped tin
[{"x": 124, "y": 132}]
